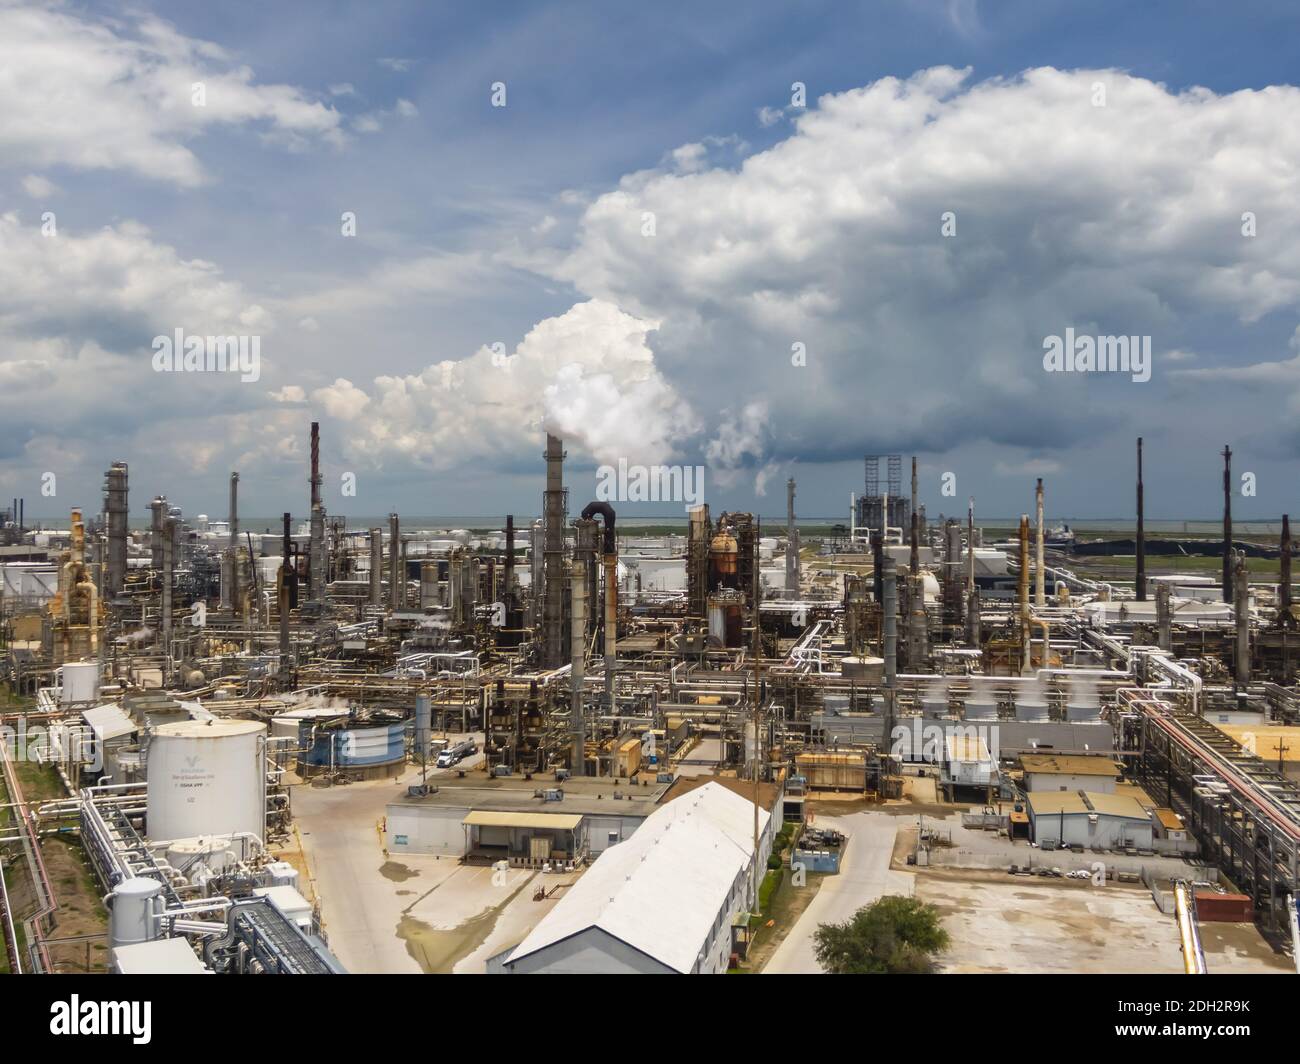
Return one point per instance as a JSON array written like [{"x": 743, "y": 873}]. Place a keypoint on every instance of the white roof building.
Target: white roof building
[{"x": 662, "y": 901}]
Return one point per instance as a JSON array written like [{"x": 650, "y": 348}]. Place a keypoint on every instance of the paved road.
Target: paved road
[
  {"x": 864, "y": 877},
  {"x": 339, "y": 827}
]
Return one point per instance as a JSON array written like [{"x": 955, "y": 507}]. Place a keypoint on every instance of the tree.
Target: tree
[{"x": 892, "y": 936}]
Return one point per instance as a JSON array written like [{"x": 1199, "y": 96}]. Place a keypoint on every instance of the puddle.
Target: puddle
[
  {"x": 437, "y": 951},
  {"x": 398, "y": 873}
]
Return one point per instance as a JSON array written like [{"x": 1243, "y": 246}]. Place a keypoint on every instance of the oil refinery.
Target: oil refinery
[
  {"x": 680, "y": 489},
  {"x": 251, "y": 742}
]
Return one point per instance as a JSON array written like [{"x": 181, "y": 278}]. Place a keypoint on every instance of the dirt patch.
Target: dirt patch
[
  {"x": 786, "y": 906},
  {"x": 79, "y": 915}
]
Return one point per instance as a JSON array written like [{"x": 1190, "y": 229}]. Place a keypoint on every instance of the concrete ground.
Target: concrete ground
[
  {"x": 413, "y": 914},
  {"x": 1000, "y": 923},
  {"x": 864, "y": 877},
  {"x": 708, "y": 750}
]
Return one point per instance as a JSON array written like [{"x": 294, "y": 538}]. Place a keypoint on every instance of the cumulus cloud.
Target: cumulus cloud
[
  {"x": 588, "y": 375},
  {"x": 121, "y": 94},
  {"x": 834, "y": 238}
]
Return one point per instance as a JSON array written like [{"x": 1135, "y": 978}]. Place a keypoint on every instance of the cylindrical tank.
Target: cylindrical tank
[
  {"x": 80, "y": 682},
  {"x": 133, "y": 916},
  {"x": 197, "y": 857},
  {"x": 863, "y": 669},
  {"x": 360, "y": 746},
  {"x": 207, "y": 777},
  {"x": 1031, "y": 709},
  {"x": 980, "y": 707},
  {"x": 1083, "y": 714}
]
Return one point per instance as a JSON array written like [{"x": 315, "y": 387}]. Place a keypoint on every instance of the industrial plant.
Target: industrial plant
[{"x": 585, "y": 748}]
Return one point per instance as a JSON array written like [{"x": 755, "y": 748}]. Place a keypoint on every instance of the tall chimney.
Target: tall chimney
[
  {"x": 553, "y": 514},
  {"x": 1141, "y": 577},
  {"x": 1040, "y": 596},
  {"x": 283, "y": 597},
  {"x": 972, "y": 595},
  {"x": 316, "y": 551},
  {"x": 791, "y": 543},
  {"x": 508, "y": 597},
  {"x": 376, "y": 567},
  {"x": 1227, "y": 523},
  {"x": 915, "y": 559},
  {"x": 1284, "y": 585},
  {"x": 168, "y": 577},
  {"x": 396, "y": 578},
  {"x": 889, "y": 639},
  {"x": 1026, "y": 661},
  {"x": 235, "y": 595}
]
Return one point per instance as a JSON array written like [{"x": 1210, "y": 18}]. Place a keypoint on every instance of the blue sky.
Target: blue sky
[{"x": 517, "y": 226}]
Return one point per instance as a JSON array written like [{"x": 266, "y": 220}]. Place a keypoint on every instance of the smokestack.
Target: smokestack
[
  {"x": 234, "y": 510},
  {"x": 791, "y": 543},
  {"x": 509, "y": 596},
  {"x": 376, "y": 567},
  {"x": 878, "y": 564},
  {"x": 915, "y": 560},
  {"x": 1284, "y": 585},
  {"x": 1241, "y": 593},
  {"x": 283, "y": 599},
  {"x": 316, "y": 563},
  {"x": 157, "y": 512},
  {"x": 972, "y": 595},
  {"x": 889, "y": 605},
  {"x": 1040, "y": 595},
  {"x": 115, "y": 525},
  {"x": 1026, "y": 662},
  {"x": 168, "y": 577},
  {"x": 553, "y": 514},
  {"x": 1227, "y": 523},
  {"x": 396, "y": 578},
  {"x": 234, "y": 541},
  {"x": 577, "y": 652},
  {"x": 1141, "y": 578}
]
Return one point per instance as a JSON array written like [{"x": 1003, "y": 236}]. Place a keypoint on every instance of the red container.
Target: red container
[{"x": 1224, "y": 908}]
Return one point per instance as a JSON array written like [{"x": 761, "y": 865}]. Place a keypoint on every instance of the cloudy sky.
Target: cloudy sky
[{"x": 660, "y": 246}]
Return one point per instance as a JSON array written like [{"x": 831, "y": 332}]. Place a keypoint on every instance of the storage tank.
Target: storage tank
[
  {"x": 133, "y": 913},
  {"x": 980, "y": 707},
  {"x": 1032, "y": 709},
  {"x": 199, "y": 858},
  {"x": 863, "y": 669},
  {"x": 367, "y": 747},
  {"x": 80, "y": 682},
  {"x": 207, "y": 777}
]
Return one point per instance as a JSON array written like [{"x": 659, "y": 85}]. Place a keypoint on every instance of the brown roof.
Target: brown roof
[
  {"x": 767, "y": 792},
  {"x": 1070, "y": 764}
]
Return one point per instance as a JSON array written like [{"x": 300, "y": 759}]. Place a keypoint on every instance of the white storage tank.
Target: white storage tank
[
  {"x": 79, "y": 682},
  {"x": 134, "y": 910},
  {"x": 207, "y": 777}
]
